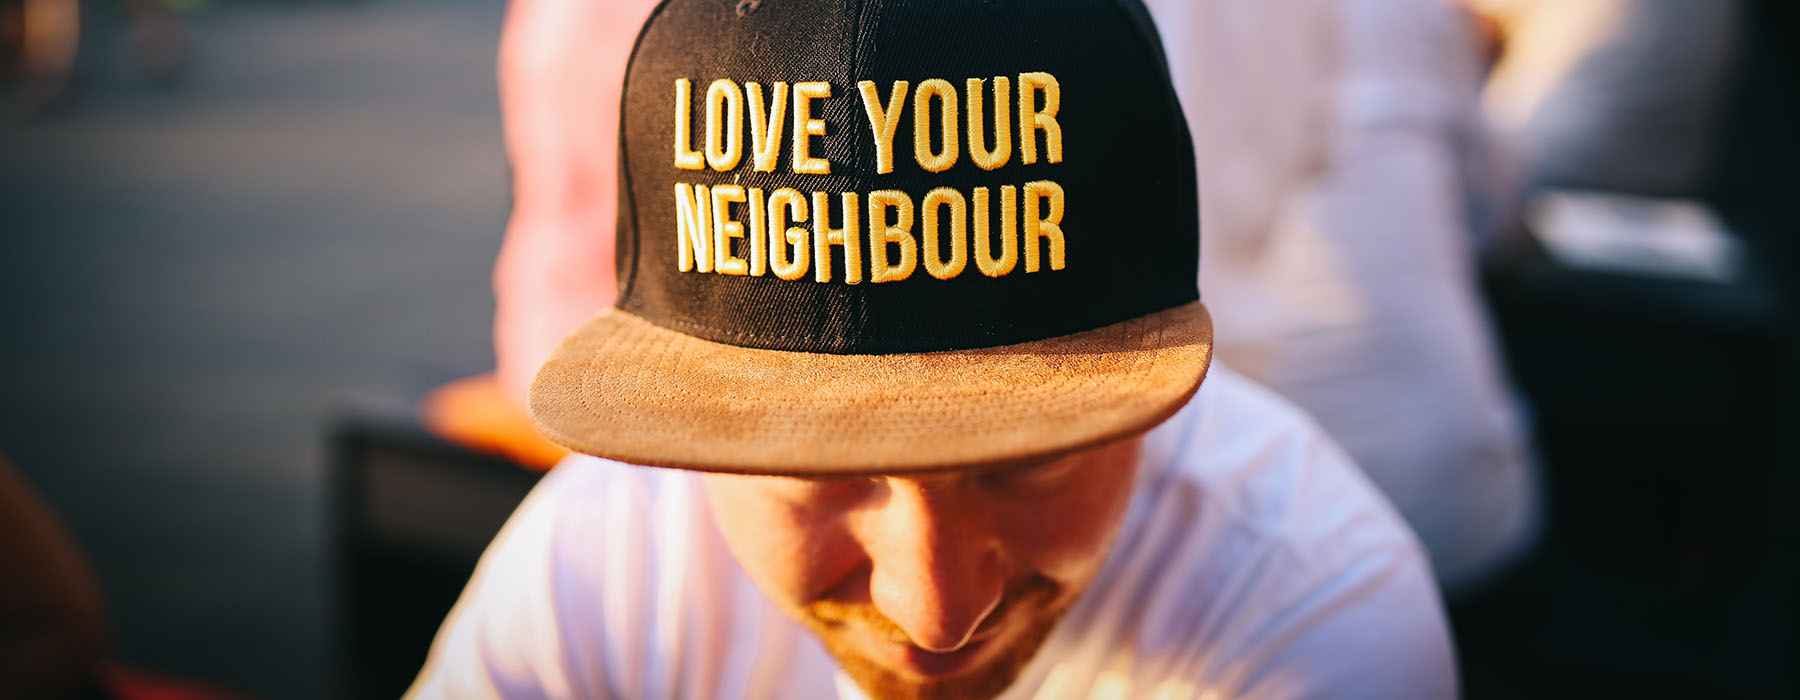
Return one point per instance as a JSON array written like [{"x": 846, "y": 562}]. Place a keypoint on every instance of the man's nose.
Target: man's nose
[{"x": 937, "y": 567}]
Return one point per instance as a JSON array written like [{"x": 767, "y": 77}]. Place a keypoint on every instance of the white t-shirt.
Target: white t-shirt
[{"x": 1255, "y": 562}]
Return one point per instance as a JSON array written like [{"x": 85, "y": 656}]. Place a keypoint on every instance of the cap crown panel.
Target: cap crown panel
[{"x": 1084, "y": 171}]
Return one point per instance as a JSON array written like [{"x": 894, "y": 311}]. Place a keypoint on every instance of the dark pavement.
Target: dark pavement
[{"x": 193, "y": 281}]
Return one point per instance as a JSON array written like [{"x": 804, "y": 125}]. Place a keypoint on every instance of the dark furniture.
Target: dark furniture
[{"x": 412, "y": 515}]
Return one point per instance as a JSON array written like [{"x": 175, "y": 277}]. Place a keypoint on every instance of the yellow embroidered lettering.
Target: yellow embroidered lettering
[
  {"x": 788, "y": 204},
  {"x": 945, "y": 156},
  {"x": 1039, "y": 224},
  {"x": 1009, "y": 232},
  {"x": 766, "y": 126},
  {"x": 692, "y": 223},
  {"x": 724, "y": 136},
  {"x": 883, "y": 234},
  {"x": 686, "y": 157},
  {"x": 883, "y": 120},
  {"x": 849, "y": 237},
  {"x": 959, "y": 232},
  {"x": 725, "y": 229},
  {"x": 1032, "y": 119},
  {"x": 806, "y": 127},
  {"x": 759, "y": 253},
  {"x": 978, "y": 152}
]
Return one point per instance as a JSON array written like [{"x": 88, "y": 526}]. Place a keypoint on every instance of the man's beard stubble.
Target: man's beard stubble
[{"x": 1039, "y": 602}]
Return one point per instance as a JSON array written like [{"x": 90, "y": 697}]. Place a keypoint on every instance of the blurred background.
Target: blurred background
[
  {"x": 245, "y": 246},
  {"x": 197, "y": 275}
]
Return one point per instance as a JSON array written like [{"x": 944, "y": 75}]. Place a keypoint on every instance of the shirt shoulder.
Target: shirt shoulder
[
  {"x": 1270, "y": 469},
  {"x": 1258, "y": 562},
  {"x": 610, "y": 581}
]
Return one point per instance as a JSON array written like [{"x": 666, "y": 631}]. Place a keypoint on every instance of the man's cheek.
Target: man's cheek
[
  {"x": 762, "y": 544},
  {"x": 795, "y": 559},
  {"x": 1071, "y": 543},
  {"x": 834, "y": 566}
]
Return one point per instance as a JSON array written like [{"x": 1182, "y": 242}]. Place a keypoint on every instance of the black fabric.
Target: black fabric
[{"x": 1131, "y": 220}]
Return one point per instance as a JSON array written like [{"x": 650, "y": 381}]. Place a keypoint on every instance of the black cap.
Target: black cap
[{"x": 1009, "y": 288}]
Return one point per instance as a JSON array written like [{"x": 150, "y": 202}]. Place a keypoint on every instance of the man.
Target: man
[
  {"x": 1332, "y": 139},
  {"x": 909, "y": 333}
]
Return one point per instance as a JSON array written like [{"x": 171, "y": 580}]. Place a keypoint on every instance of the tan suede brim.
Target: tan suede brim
[{"x": 626, "y": 389}]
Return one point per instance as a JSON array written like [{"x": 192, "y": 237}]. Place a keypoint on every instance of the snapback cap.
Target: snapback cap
[{"x": 861, "y": 236}]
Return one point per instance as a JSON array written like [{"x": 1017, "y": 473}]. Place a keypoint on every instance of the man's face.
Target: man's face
[{"x": 933, "y": 586}]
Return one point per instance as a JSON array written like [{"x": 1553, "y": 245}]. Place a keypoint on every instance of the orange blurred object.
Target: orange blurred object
[
  {"x": 475, "y": 413},
  {"x": 127, "y": 683}
]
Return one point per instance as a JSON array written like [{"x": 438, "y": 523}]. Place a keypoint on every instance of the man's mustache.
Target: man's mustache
[{"x": 1034, "y": 591}]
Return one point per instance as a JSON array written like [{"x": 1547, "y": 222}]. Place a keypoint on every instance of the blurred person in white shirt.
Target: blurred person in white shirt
[{"x": 1344, "y": 172}]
